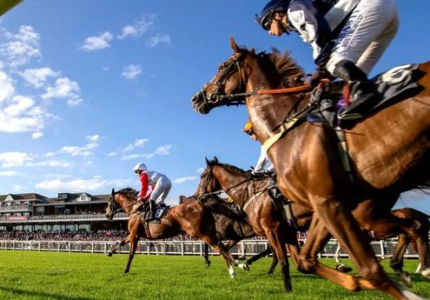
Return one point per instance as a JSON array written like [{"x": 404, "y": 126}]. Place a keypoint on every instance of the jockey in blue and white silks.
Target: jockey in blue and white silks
[{"x": 348, "y": 37}]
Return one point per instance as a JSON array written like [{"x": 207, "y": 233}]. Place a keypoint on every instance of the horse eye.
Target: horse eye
[{"x": 220, "y": 68}]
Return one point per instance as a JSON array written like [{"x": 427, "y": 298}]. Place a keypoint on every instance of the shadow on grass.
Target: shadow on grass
[{"x": 41, "y": 294}]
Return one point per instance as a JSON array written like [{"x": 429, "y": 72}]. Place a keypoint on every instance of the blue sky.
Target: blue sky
[{"x": 90, "y": 88}]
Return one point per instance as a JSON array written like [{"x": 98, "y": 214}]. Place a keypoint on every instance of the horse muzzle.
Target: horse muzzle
[{"x": 199, "y": 104}]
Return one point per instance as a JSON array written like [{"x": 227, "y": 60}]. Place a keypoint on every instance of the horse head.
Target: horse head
[
  {"x": 227, "y": 85},
  {"x": 111, "y": 207},
  {"x": 238, "y": 76},
  {"x": 122, "y": 200}
]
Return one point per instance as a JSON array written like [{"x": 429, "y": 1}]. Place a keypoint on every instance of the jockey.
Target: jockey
[
  {"x": 348, "y": 38},
  {"x": 263, "y": 160},
  {"x": 161, "y": 184}
]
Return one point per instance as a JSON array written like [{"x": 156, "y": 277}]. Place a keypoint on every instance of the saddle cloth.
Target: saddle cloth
[{"x": 392, "y": 86}]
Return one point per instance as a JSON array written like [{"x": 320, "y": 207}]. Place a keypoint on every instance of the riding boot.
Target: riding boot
[
  {"x": 150, "y": 215},
  {"x": 363, "y": 93}
]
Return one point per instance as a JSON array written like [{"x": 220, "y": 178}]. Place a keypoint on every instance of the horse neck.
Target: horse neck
[
  {"x": 234, "y": 183},
  {"x": 268, "y": 111},
  {"x": 125, "y": 202}
]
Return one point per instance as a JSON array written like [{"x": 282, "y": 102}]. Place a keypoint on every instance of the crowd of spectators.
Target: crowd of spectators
[{"x": 23, "y": 235}]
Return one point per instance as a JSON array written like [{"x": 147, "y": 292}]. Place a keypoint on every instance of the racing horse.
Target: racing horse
[
  {"x": 194, "y": 219},
  {"x": 264, "y": 214},
  {"x": 387, "y": 153}
]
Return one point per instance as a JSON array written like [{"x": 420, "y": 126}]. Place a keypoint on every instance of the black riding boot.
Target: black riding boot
[
  {"x": 150, "y": 215},
  {"x": 363, "y": 93}
]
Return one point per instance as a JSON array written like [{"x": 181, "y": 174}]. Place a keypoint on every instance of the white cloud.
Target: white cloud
[
  {"x": 6, "y": 87},
  {"x": 74, "y": 102},
  {"x": 14, "y": 159},
  {"x": 38, "y": 77},
  {"x": 162, "y": 150},
  {"x": 58, "y": 176},
  {"x": 95, "y": 43},
  {"x": 160, "y": 38},
  {"x": 9, "y": 173},
  {"x": 200, "y": 170},
  {"x": 85, "y": 150},
  {"x": 112, "y": 154},
  {"x": 184, "y": 179},
  {"x": 137, "y": 144},
  {"x": 63, "y": 88},
  {"x": 131, "y": 71},
  {"x": 19, "y": 188},
  {"x": 138, "y": 29},
  {"x": 36, "y": 135},
  {"x": 49, "y": 163},
  {"x": 21, "y": 47},
  {"x": 93, "y": 138},
  {"x": 18, "y": 106},
  {"x": 79, "y": 185}
]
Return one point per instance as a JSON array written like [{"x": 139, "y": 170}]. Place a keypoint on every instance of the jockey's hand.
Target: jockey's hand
[{"x": 320, "y": 74}]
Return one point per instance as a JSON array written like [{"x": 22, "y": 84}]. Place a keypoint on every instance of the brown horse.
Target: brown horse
[
  {"x": 232, "y": 230},
  {"x": 302, "y": 218},
  {"x": 194, "y": 219},
  {"x": 265, "y": 215},
  {"x": 388, "y": 153}
]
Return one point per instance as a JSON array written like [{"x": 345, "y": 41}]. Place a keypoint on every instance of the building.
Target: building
[{"x": 66, "y": 212}]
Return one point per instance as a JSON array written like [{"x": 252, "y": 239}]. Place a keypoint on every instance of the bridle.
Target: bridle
[
  {"x": 236, "y": 63},
  {"x": 209, "y": 176},
  {"x": 114, "y": 206}
]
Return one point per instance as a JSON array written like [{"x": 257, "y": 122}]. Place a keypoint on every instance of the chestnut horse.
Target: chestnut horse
[
  {"x": 232, "y": 230},
  {"x": 265, "y": 215},
  {"x": 302, "y": 218},
  {"x": 194, "y": 219},
  {"x": 388, "y": 153}
]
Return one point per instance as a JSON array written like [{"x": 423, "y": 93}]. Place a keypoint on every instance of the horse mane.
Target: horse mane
[
  {"x": 128, "y": 191},
  {"x": 285, "y": 65},
  {"x": 215, "y": 161}
]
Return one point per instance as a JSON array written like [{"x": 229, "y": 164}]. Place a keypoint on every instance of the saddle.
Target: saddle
[
  {"x": 159, "y": 213},
  {"x": 393, "y": 86}
]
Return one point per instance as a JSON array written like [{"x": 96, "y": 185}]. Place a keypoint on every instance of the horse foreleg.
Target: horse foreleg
[
  {"x": 423, "y": 252},
  {"x": 396, "y": 262},
  {"x": 206, "y": 256},
  {"x": 222, "y": 250},
  {"x": 339, "y": 265},
  {"x": 276, "y": 239},
  {"x": 230, "y": 244},
  {"x": 340, "y": 222},
  {"x": 134, "y": 239},
  {"x": 117, "y": 247}
]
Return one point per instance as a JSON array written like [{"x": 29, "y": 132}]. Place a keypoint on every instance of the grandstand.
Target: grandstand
[{"x": 26, "y": 216}]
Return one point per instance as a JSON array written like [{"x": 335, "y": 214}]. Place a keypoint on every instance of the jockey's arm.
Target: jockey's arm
[
  {"x": 313, "y": 28},
  {"x": 144, "y": 186}
]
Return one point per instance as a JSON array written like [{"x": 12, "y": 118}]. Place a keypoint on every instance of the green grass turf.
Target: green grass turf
[{"x": 74, "y": 276}]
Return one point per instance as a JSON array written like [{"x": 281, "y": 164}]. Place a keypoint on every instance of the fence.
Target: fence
[{"x": 246, "y": 247}]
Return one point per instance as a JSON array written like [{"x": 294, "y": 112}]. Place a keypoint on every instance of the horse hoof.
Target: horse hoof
[
  {"x": 426, "y": 273},
  {"x": 406, "y": 279},
  {"x": 343, "y": 268},
  {"x": 244, "y": 267},
  {"x": 126, "y": 271},
  {"x": 232, "y": 273},
  {"x": 108, "y": 254},
  {"x": 208, "y": 264}
]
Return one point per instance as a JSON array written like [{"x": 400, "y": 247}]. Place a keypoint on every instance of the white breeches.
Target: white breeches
[
  {"x": 161, "y": 190},
  {"x": 371, "y": 27}
]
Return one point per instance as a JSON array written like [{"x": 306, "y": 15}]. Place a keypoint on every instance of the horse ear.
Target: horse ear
[
  {"x": 233, "y": 45},
  {"x": 215, "y": 160},
  {"x": 113, "y": 191},
  {"x": 207, "y": 161}
]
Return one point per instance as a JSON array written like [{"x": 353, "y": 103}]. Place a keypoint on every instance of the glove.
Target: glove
[{"x": 320, "y": 74}]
